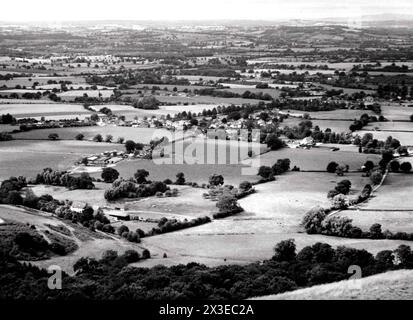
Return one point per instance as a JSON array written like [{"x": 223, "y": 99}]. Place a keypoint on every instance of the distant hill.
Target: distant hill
[{"x": 392, "y": 285}]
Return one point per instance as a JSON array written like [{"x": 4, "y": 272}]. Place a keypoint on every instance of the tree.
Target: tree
[
  {"x": 376, "y": 177},
  {"x": 411, "y": 117},
  {"x": 285, "y": 251},
  {"x": 109, "y": 174},
  {"x": 403, "y": 255},
  {"x": 98, "y": 138},
  {"x": 180, "y": 178},
  {"x": 332, "y": 166},
  {"x": 130, "y": 146},
  {"x": 122, "y": 229},
  {"x": 265, "y": 172},
  {"x": 53, "y": 136},
  {"x": 146, "y": 254},
  {"x": 375, "y": 231},
  {"x": 131, "y": 256},
  {"x": 108, "y": 138},
  {"x": 141, "y": 176},
  {"x": 394, "y": 165},
  {"x": 245, "y": 185},
  {"x": 216, "y": 180},
  {"x": 14, "y": 198},
  {"x": 406, "y": 167},
  {"x": 120, "y": 140},
  {"x": 312, "y": 221},
  {"x": 368, "y": 165},
  {"x": 79, "y": 136},
  {"x": 273, "y": 142},
  {"x": 228, "y": 204}
]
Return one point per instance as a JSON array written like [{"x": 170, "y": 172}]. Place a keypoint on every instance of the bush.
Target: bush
[
  {"x": 394, "y": 166},
  {"x": 122, "y": 229},
  {"x": 285, "y": 251},
  {"x": 109, "y": 174},
  {"x": 331, "y": 167},
  {"x": 146, "y": 254},
  {"x": 131, "y": 256},
  {"x": 312, "y": 221},
  {"x": 98, "y": 138},
  {"x": 406, "y": 167},
  {"x": 376, "y": 177},
  {"x": 79, "y": 136}
]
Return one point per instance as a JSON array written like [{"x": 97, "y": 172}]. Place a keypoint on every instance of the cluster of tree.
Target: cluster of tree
[
  {"x": 286, "y": 270},
  {"x": 10, "y": 190},
  {"x": 5, "y": 136},
  {"x": 334, "y": 167},
  {"x": 278, "y": 168},
  {"x": 307, "y": 105},
  {"x": 132, "y": 236},
  {"x": 342, "y": 187},
  {"x": 405, "y": 167},
  {"x": 393, "y": 91},
  {"x": 63, "y": 178},
  {"x": 316, "y": 221},
  {"x": 364, "y": 121},
  {"x": 7, "y": 119},
  {"x": 169, "y": 225},
  {"x": 135, "y": 188},
  {"x": 147, "y": 103},
  {"x": 227, "y": 205}
]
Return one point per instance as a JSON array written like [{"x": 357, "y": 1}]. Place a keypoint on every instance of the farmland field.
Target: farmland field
[
  {"x": 339, "y": 114},
  {"x": 27, "y": 157},
  {"x": 405, "y": 138},
  {"x": 335, "y": 126},
  {"x": 43, "y": 109},
  {"x": 317, "y": 158},
  {"x": 142, "y": 135},
  {"x": 396, "y": 112},
  {"x": 272, "y": 214}
]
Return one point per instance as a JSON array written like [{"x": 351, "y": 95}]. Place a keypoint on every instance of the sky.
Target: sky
[{"x": 73, "y": 10}]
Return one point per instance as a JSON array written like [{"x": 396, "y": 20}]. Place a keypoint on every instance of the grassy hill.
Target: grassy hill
[{"x": 392, "y": 285}]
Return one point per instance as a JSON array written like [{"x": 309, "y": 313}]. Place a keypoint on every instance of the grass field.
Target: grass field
[
  {"x": 43, "y": 109},
  {"x": 272, "y": 214},
  {"x": 396, "y": 112},
  {"x": 392, "y": 285},
  {"x": 317, "y": 158},
  {"x": 28, "y": 82},
  {"x": 340, "y": 114},
  {"x": 335, "y": 126},
  {"x": 142, "y": 135},
  {"x": 189, "y": 204},
  {"x": 27, "y": 158},
  {"x": 391, "y": 206},
  {"x": 405, "y": 138},
  {"x": 90, "y": 244}
]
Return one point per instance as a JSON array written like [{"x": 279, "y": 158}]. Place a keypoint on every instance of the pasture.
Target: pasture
[
  {"x": 396, "y": 112},
  {"x": 23, "y": 110},
  {"x": 337, "y": 126},
  {"x": 27, "y": 157},
  {"x": 142, "y": 135},
  {"x": 405, "y": 138},
  {"x": 317, "y": 158}
]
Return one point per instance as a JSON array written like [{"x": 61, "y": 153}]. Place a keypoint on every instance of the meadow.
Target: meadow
[
  {"x": 317, "y": 158},
  {"x": 23, "y": 110},
  {"x": 142, "y": 135},
  {"x": 28, "y": 157}
]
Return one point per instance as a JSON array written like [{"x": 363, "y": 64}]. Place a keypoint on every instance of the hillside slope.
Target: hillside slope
[{"x": 392, "y": 285}]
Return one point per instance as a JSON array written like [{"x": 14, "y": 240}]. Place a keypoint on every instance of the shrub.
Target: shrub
[
  {"x": 109, "y": 174},
  {"x": 285, "y": 251},
  {"x": 406, "y": 167},
  {"x": 79, "y": 136},
  {"x": 312, "y": 221},
  {"x": 122, "y": 229},
  {"x": 131, "y": 256},
  {"x": 98, "y": 138},
  {"x": 331, "y": 167},
  {"x": 394, "y": 166},
  {"x": 376, "y": 177}
]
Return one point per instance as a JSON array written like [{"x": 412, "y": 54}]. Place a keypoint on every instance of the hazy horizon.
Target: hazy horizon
[{"x": 187, "y": 10}]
